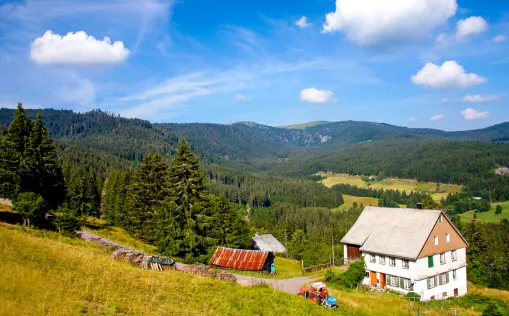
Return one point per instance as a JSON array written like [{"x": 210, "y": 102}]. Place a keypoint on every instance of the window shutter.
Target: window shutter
[
  {"x": 447, "y": 277},
  {"x": 401, "y": 283},
  {"x": 388, "y": 279},
  {"x": 430, "y": 262},
  {"x": 429, "y": 283},
  {"x": 437, "y": 277}
]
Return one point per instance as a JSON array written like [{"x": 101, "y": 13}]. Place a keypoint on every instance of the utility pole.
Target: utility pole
[{"x": 332, "y": 250}]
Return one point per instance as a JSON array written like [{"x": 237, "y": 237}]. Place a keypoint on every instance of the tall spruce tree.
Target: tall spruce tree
[
  {"x": 12, "y": 153},
  {"x": 41, "y": 171},
  {"x": 82, "y": 197},
  {"x": 228, "y": 228},
  {"x": 145, "y": 196}
]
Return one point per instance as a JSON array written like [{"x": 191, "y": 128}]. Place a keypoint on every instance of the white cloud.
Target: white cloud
[
  {"x": 302, "y": 22},
  {"x": 373, "y": 22},
  {"x": 412, "y": 119},
  {"x": 437, "y": 117},
  {"x": 474, "y": 25},
  {"x": 445, "y": 100},
  {"x": 473, "y": 114},
  {"x": 241, "y": 97},
  {"x": 312, "y": 95},
  {"x": 500, "y": 38},
  {"x": 449, "y": 75},
  {"x": 76, "y": 49},
  {"x": 479, "y": 98}
]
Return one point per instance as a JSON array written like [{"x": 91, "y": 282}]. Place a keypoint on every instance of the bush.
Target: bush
[
  {"x": 355, "y": 274},
  {"x": 66, "y": 222},
  {"x": 31, "y": 207},
  {"x": 332, "y": 277},
  {"x": 414, "y": 296},
  {"x": 493, "y": 309}
]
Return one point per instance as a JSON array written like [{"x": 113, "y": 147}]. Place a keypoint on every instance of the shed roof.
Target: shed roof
[
  {"x": 400, "y": 232},
  {"x": 268, "y": 243},
  {"x": 239, "y": 259}
]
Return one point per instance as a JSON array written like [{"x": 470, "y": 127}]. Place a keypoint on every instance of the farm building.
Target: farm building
[
  {"x": 253, "y": 260},
  {"x": 268, "y": 243},
  {"x": 409, "y": 250}
]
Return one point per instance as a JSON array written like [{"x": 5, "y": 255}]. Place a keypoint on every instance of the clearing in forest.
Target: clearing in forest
[
  {"x": 407, "y": 185},
  {"x": 490, "y": 216}
]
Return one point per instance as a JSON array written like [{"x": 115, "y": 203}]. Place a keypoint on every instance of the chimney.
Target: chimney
[{"x": 419, "y": 206}]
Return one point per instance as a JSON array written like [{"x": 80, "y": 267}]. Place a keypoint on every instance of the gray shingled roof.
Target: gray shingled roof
[
  {"x": 399, "y": 232},
  {"x": 268, "y": 243}
]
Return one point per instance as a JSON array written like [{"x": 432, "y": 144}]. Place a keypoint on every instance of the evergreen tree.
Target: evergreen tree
[
  {"x": 429, "y": 204},
  {"x": 145, "y": 196},
  {"x": 498, "y": 210},
  {"x": 41, "y": 171},
  {"x": 82, "y": 197},
  {"x": 12, "y": 150},
  {"x": 229, "y": 229}
]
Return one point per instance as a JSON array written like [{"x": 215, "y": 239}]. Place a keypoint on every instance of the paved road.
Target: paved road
[{"x": 286, "y": 285}]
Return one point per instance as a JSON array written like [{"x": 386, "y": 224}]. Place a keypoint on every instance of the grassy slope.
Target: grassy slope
[
  {"x": 489, "y": 216},
  {"x": 349, "y": 199},
  {"x": 61, "y": 276},
  {"x": 396, "y": 184}
]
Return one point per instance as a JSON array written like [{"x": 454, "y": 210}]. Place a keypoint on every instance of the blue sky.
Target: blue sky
[{"x": 420, "y": 63}]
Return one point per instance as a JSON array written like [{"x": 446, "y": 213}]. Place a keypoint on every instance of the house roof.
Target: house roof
[
  {"x": 239, "y": 259},
  {"x": 268, "y": 243},
  {"x": 400, "y": 232}
]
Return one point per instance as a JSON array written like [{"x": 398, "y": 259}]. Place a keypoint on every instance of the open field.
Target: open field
[
  {"x": 350, "y": 199},
  {"x": 489, "y": 216},
  {"x": 407, "y": 185},
  {"x": 50, "y": 274}
]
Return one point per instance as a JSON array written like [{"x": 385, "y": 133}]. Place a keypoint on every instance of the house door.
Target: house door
[
  {"x": 382, "y": 280},
  {"x": 372, "y": 278}
]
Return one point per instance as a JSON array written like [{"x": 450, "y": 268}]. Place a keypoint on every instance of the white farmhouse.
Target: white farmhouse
[{"x": 409, "y": 250}]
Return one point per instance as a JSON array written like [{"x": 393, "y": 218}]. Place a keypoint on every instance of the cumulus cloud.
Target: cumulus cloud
[
  {"x": 474, "y": 25},
  {"x": 437, "y": 117},
  {"x": 76, "y": 49},
  {"x": 473, "y": 114},
  {"x": 240, "y": 97},
  {"x": 302, "y": 22},
  {"x": 449, "y": 75},
  {"x": 500, "y": 38},
  {"x": 371, "y": 23},
  {"x": 412, "y": 119},
  {"x": 312, "y": 95},
  {"x": 479, "y": 98}
]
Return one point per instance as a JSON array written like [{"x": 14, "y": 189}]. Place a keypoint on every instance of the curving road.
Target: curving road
[{"x": 291, "y": 285}]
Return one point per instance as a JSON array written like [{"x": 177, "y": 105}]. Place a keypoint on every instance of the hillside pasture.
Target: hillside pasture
[
  {"x": 53, "y": 275},
  {"x": 490, "y": 216},
  {"x": 350, "y": 199},
  {"x": 407, "y": 185}
]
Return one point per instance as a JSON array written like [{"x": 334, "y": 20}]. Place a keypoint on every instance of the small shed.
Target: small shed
[
  {"x": 252, "y": 260},
  {"x": 268, "y": 242}
]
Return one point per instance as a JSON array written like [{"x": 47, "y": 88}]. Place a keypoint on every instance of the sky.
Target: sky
[{"x": 418, "y": 63}]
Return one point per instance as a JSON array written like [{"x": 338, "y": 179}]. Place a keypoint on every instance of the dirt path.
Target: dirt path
[{"x": 291, "y": 286}]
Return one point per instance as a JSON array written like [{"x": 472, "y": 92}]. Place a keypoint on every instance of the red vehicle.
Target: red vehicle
[{"x": 318, "y": 293}]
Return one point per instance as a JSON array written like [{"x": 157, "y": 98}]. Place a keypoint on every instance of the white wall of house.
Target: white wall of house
[{"x": 418, "y": 272}]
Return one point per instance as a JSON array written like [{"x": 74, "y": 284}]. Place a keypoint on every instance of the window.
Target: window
[
  {"x": 372, "y": 258},
  {"x": 382, "y": 259},
  {"x": 447, "y": 238},
  {"x": 454, "y": 274},
  {"x": 406, "y": 284},
  {"x": 367, "y": 274},
  {"x": 405, "y": 263},
  {"x": 455, "y": 292},
  {"x": 435, "y": 240},
  {"x": 431, "y": 283},
  {"x": 430, "y": 262},
  {"x": 440, "y": 218},
  {"x": 453, "y": 255},
  {"x": 392, "y": 261},
  {"x": 433, "y": 297},
  {"x": 444, "y": 294},
  {"x": 444, "y": 278},
  {"x": 394, "y": 281},
  {"x": 442, "y": 258}
]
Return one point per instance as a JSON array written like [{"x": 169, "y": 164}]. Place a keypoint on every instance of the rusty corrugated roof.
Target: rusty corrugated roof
[{"x": 241, "y": 259}]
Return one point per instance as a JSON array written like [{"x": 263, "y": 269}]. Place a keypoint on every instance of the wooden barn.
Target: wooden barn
[{"x": 240, "y": 259}]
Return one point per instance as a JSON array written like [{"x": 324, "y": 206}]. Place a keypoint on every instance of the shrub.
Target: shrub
[
  {"x": 332, "y": 277},
  {"x": 31, "y": 207},
  {"x": 493, "y": 309},
  {"x": 414, "y": 296},
  {"x": 66, "y": 222},
  {"x": 355, "y": 274}
]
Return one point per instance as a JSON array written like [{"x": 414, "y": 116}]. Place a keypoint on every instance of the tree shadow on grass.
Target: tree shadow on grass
[{"x": 10, "y": 217}]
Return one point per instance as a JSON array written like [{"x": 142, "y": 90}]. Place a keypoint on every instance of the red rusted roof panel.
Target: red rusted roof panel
[{"x": 241, "y": 259}]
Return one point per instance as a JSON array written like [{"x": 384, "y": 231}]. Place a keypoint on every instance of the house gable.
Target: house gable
[{"x": 441, "y": 228}]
